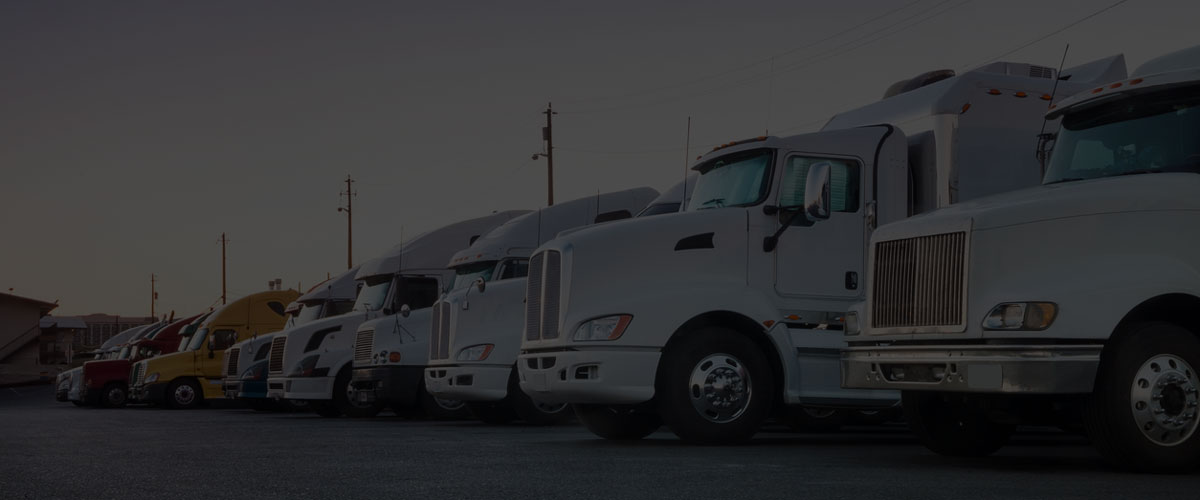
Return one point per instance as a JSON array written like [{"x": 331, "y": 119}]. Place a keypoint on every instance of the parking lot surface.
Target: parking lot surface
[{"x": 55, "y": 450}]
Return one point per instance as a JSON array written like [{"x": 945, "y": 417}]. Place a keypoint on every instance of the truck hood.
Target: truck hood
[
  {"x": 152, "y": 364},
  {"x": 1133, "y": 193}
]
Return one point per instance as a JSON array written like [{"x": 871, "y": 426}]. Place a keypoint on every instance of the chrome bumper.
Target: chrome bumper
[{"x": 999, "y": 369}]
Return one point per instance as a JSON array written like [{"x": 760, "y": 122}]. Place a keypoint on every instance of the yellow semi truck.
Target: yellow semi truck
[{"x": 187, "y": 378}]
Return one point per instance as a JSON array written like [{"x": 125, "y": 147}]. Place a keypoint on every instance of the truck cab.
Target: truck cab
[
  {"x": 188, "y": 378},
  {"x": 715, "y": 318},
  {"x": 476, "y": 333},
  {"x": 312, "y": 362},
  {"x": 112, "y": 349},
  {"x": 106, "y": 382},
  {"x": 246, "y": 362},
  {"x": 1073, "y": 302}
]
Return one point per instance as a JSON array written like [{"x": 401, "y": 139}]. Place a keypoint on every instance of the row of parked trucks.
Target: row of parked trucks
[{"x": 979, "y": 249}]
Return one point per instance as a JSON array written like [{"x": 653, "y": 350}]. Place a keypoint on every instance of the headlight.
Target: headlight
[
  {"x": 852, "y": 327},
  {"x": 476, "y": 352},
  {"x": 606, "y": 328},
  {"x": 151, "y": 378},
  {"x": 305, "y": 367},
  {"x": 1021, "y": 316},
  {"x": 254, "y": 373}
]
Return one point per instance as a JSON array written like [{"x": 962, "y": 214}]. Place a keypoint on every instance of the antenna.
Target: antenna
[
  {"x": 1044, "y": 139},
  {"x": 687, "y": 151}
]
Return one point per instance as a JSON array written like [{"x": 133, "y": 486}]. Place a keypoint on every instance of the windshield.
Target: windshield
[
  {"x": 124, "y": 353},
  {"x": 183, "y": 342},
  {"x": 738, "y": 179},
  {"x": 198, "y": 339},
  {"x": 467, "y": 274},
  {"x": 373, "y": 293},
  {"x": 1140, "y": 134},
  {"x": 309, "y": 312}
]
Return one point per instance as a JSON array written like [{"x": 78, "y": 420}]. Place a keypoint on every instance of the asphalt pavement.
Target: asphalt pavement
[{"x": 51, "y": 450}]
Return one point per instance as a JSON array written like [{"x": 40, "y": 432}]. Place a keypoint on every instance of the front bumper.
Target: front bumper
[
  {"x": 392, "y": 385},
  {"x": 149, "y": 393},
  {"x": 61, "y": 395},
  {"x": 590, "y": 376},
  {"x": 468, "y": 382},
  {"x": 996, "y": 369},
  {"x": 244, "y": 389},
  {"x": 301, "y": 388}
]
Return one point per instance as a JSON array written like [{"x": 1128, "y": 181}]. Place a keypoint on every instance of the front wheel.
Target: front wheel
[
  {"x": 184, "y": 394},
  {"x": 534, "y": 412},
  {"x": 714, "y": 386},
  {"x": 115, "y": 395},
  {"x": 436, "y": 408},
  {"x": 344, "y": 400},
  {"x": 1142, "y": 414},
  {"x": 617, "y": 423},
  {"x": 950, "y": 426}
]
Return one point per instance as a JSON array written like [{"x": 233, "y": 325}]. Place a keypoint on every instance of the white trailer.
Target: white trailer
[
  {"x": 1073, "y": 302},
  {"x": 246, "y": 362},
  {"x": 476, "y": 332},
  {"x": 311, "y": 362},
  {"x": 712, "y": 319}
]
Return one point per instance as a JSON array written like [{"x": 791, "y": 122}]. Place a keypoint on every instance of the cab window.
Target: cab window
[
  {"x": 844, "y": 183},
  {"x": 417, "y": 292},
  {"x": 514, "y": 268},
  {"x": 222, "y": 339}
]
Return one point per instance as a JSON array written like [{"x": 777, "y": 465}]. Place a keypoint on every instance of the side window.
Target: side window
[
  {"x": 262, "y": 351},
  {"x": 222, "y": 339},
  {"x": 418, "y": 293},
  {"x": 514, "y": 268},
  {"x": 844, "y": 183},
  {"x": 340, "y": 307},
  {"x": 278, "y": 307}
]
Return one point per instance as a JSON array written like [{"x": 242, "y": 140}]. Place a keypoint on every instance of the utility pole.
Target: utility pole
[
  {"x": 153, "y": 294},
  {"x": 223, "y": 243},
  {"x": 349, "y": 194},
  {"x": 548, "y": 136}
]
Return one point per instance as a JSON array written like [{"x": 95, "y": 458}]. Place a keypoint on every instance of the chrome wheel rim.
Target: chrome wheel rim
[
  {"x": 448, "y": 404},
  {"x": 549, "y": 409},
  {"x": 116, "y": 395},
  {"x": 720, "y": 388},
  {"x": 1164, "y": 400},
  {"x": 352, "y": 398},
  {"x": 184, "y": 395}
]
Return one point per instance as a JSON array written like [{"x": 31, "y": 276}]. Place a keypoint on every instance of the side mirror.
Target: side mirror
[
  {"x": 816, "y": 192},
  {"x": 480, "y": 284},
  {"x": 405, "y": 310}
]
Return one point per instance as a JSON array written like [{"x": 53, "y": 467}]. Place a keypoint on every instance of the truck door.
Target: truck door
[{"x": 824, "y": 259}]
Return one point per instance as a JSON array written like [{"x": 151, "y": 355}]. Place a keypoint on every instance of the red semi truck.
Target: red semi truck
[{"x": 106, "y": 382}]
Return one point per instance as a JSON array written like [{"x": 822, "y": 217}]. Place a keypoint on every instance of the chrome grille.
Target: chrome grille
[
  {"x": 550, "y": 295},
  {"x": 533, "y": 298},
  {"x": 275, "y": 360},
  {"x": 919, "y": 281},
  {"x": 439, "y": 341},
  {"x": 231, "y": 361},
  {"x": 364, "y": 341}
]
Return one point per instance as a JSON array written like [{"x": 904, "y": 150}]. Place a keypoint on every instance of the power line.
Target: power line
[{"x": 1048, "y": 35}]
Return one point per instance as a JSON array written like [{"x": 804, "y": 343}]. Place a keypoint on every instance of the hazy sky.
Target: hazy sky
[{"x": 133, "y": 133}]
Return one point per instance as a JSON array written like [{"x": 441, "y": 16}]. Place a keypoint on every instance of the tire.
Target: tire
[
  {"x": 533, "y": 412},
  {"x": 1151, "y": 368},
  {"x": 184, "y": 394},
  {"x": 714, "y": 386},
  {"x": 493, "y": 412},
  {"x": 114, "y": 395},
  {"x": 803, "y": 419},
  {"x": 441, "y": 409},
  {"x": 617, "y": 423},
  {"x": 947, "y": 425},
  {"x": 341, "y": 399}
]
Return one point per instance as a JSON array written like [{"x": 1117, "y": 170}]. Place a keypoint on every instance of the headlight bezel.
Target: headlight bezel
[
  {"x": 602, "y": 329},
  {"x": 477, "y": 352},
  {"x": 1031, "y": 316},
  {"x": 151, "y": 378}
]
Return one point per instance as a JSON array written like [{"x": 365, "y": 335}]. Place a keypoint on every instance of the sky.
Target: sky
[{"x": 133, "y": 134}]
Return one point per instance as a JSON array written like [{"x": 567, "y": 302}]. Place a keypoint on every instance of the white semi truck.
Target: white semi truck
[
  {"x": 476, "y": 331},
  {"x": 1071, "y": 302},
  {"x": 711, "y": 319},
  {"x": 312, "y": 362},
  {"x": 246, "y": 362}
]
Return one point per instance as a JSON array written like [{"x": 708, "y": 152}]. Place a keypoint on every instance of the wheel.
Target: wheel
[
  {"x": 949, "y": 426},
  {"x": 804, "y": 419},
  {"x": 184, "y": 394},
  {"x": 345, "y": 404},
  {"x": 435, "y": 408},
  {"x": 1142, "y": 414},
  {"x": 714, "y": 386},
  {"x": 531, "y": 411},
  {"x": 114, "y": 395},
  {"x": 493, "y": 412},
  {"x": 617, "y": 423}
]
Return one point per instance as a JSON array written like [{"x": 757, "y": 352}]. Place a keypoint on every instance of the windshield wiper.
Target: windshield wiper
[
  {"x": 720, "y": 202},
  {"x": 1067, "y": 179}
]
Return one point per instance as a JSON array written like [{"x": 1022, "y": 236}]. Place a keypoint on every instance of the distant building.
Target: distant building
[
  {"x": 59, "y": 334},
  {"x": 101, "y": 327},
  {"x": 20, "y": 332}
]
